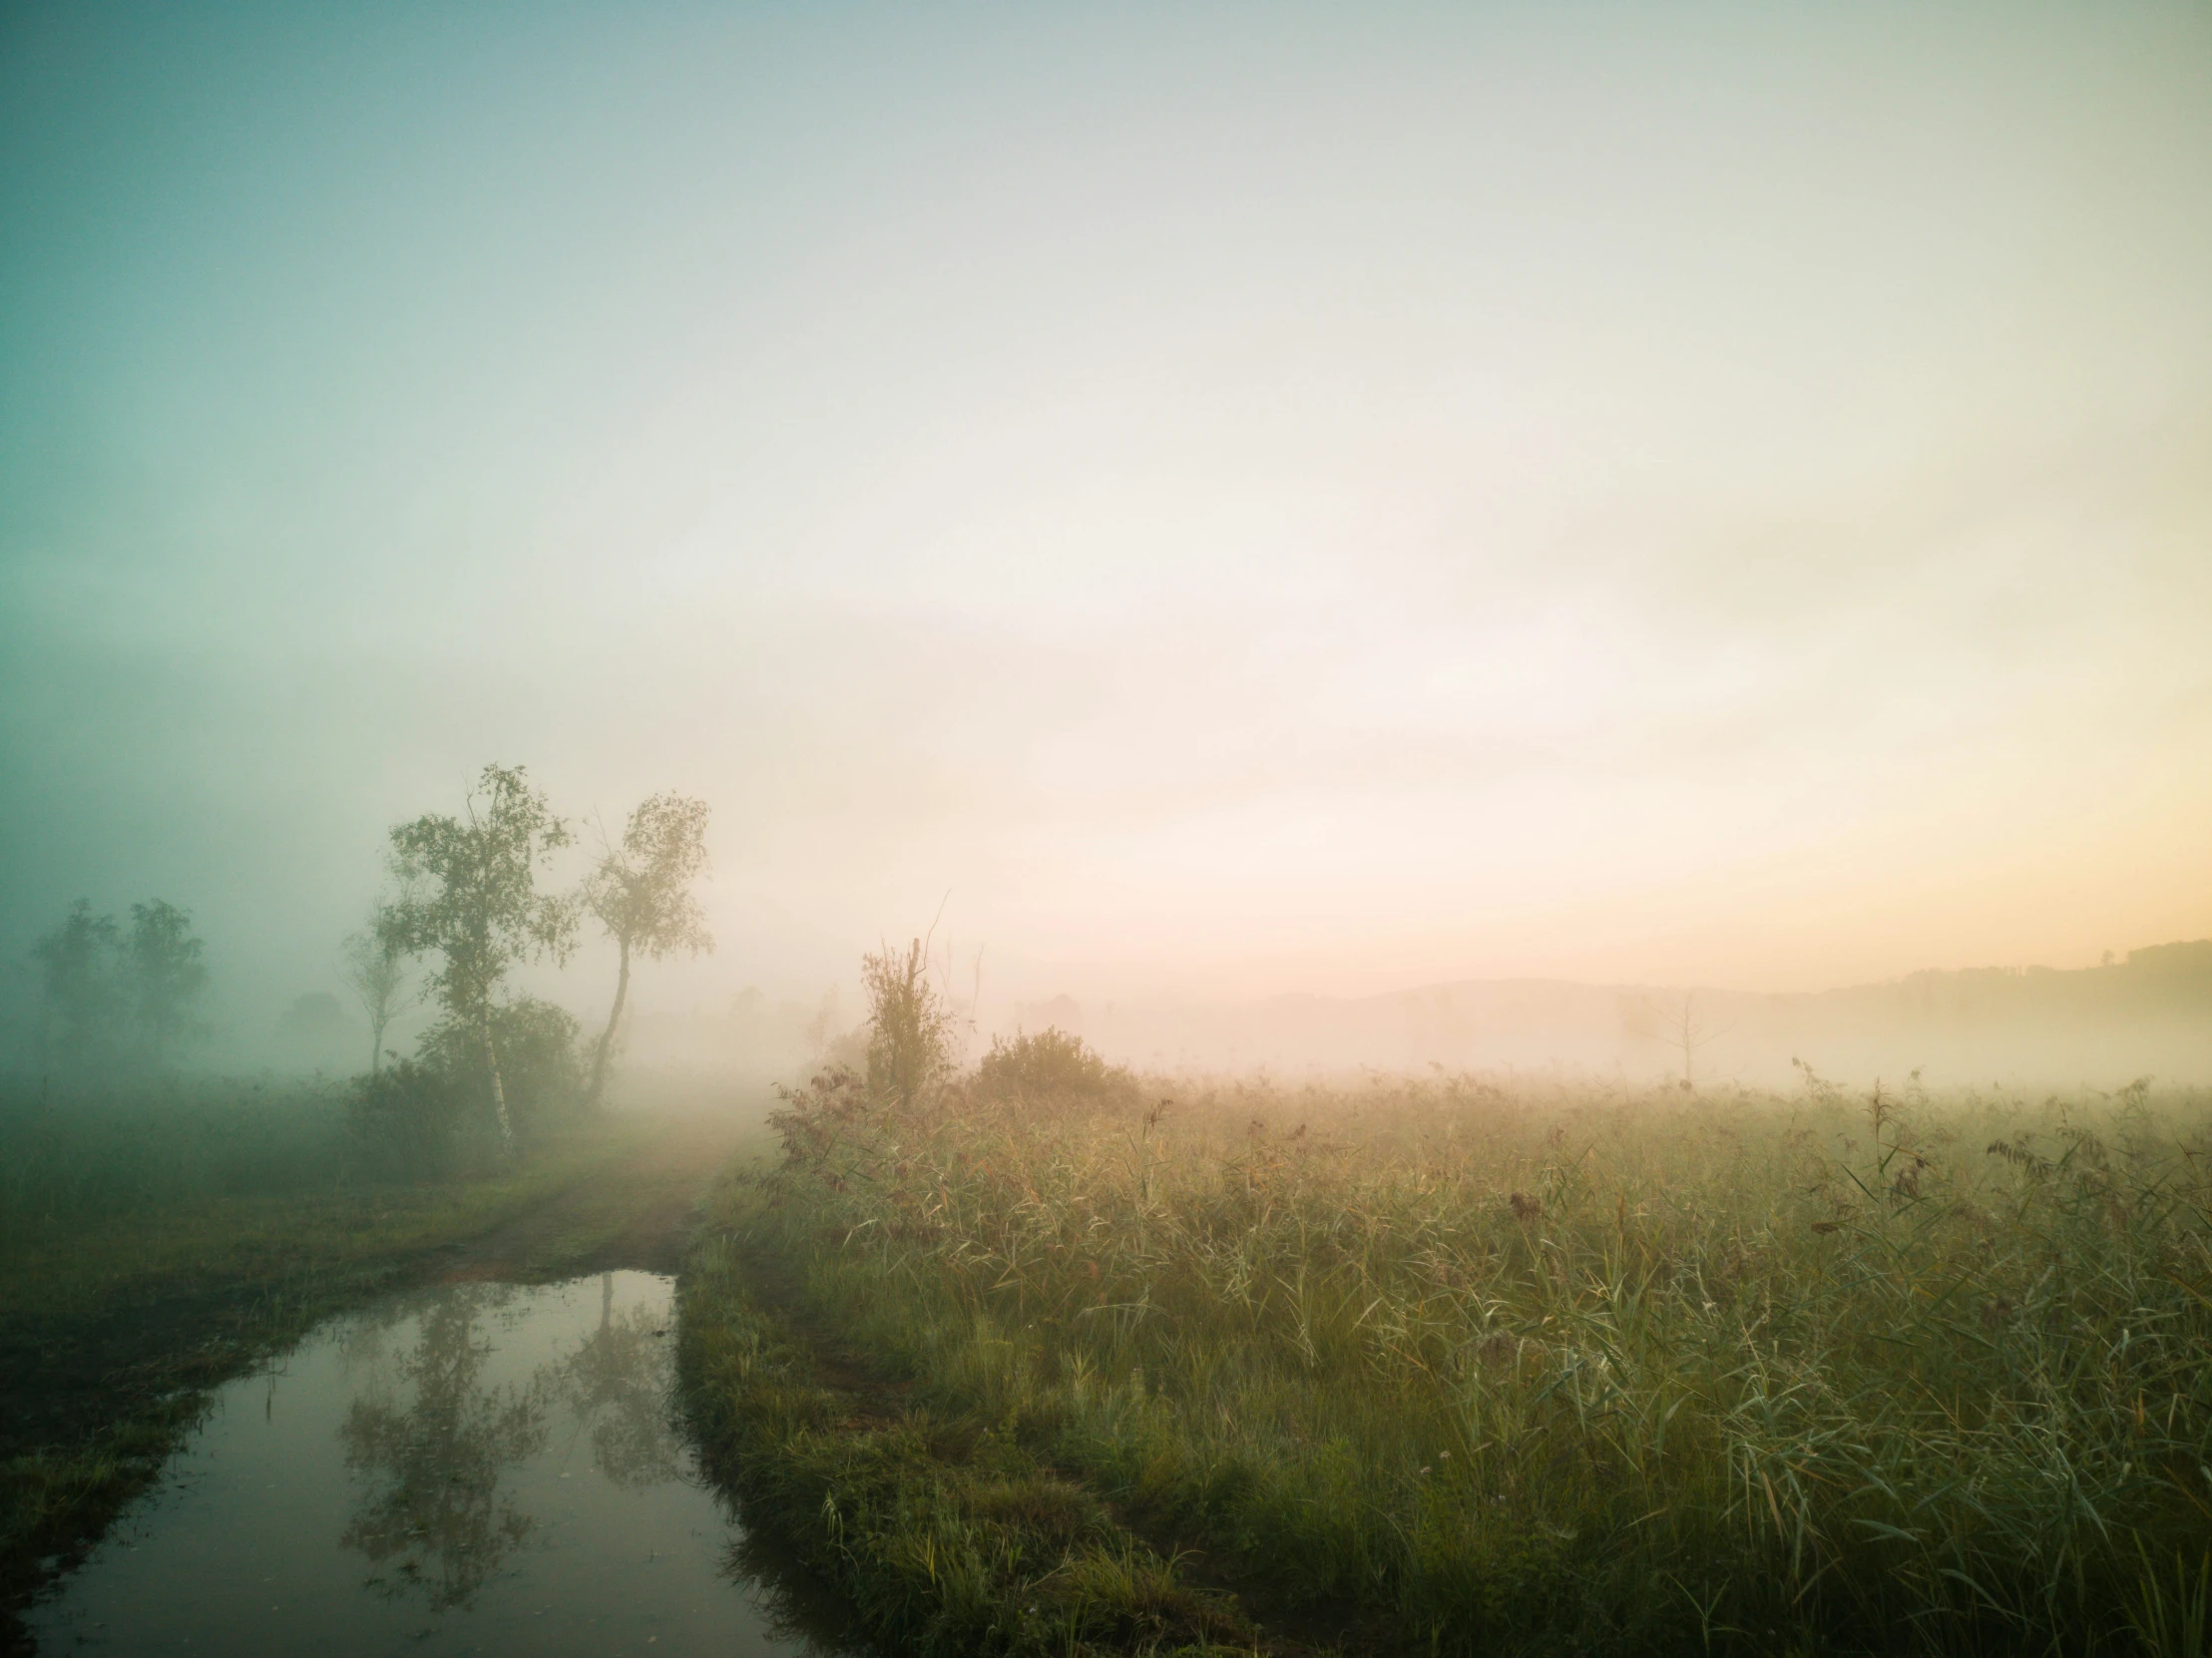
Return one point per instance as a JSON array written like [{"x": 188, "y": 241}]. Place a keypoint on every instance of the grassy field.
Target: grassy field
[
  {"x": 1461, "y": 1367},
  {"x": 149, "y": 1254}
]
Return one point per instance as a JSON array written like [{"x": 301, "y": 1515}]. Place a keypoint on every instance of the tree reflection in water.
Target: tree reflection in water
[
  {"x": 618, "y": 1385},
  {"x": 435, "y": 1439},
  {"x": 434, "y": 1516},
  {"x": 436, "y": 1445}
]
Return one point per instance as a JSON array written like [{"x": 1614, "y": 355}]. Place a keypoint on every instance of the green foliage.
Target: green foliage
[
  {"x": 470, "y": 891},
  {"x": 539, "y": 1060},
  {"x": 1532, "y": 1369},
  {"x": 641, "y": 894},
  {"x": 83, "y": 1003},
  {"x": 402, "y": 1118},
  {"x": 1049, "y": 1067},
  {"x": 410, "y": 1120},
  {"x": 165, "y": 974},
  {"x": 947, "y": 1534},
  {"x": 641, "y": 890},
  {"x": 72, "y": 1153},
  {"x": 2172, "y": 1613},
  {"x": 114, "y": 999},
  {"x": 909, "y": 1026}
]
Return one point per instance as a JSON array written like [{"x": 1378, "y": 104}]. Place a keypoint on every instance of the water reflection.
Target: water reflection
[
  {"x": 471, "y": 1469},
  {"x": 435, "y": 1514},
  {"x": 619, "y": 1383},
  {"x": 434, "y": 1438}
]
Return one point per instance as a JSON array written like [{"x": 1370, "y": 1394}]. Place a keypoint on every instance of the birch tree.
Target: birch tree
[
  {"x": 640, "y": 892},
  {"x": 470, "y": 893}
]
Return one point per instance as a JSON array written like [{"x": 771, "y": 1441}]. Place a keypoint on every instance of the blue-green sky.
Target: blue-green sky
[{"x": 1247, "y": 498}]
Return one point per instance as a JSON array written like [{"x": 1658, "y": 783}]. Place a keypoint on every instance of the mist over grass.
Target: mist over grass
[{"x": 1537, "y": 1366}]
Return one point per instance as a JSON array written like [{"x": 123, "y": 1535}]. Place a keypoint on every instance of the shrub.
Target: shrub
[
  {"x": 402, "y": 1119},
  {"x": 910, "y": 1028},
  {"x": 540, "y": 1064},
  {"x": 408, "y": 1120},
  {"x": 1051, "y": 1067}
]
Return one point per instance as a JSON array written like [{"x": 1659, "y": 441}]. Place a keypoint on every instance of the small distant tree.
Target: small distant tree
[
  {"x": 470, "y": 894},
  {"x": 167, "y": 976},
  {"x": 76, "y": 962},
  {"x": 641, "y": 893},
  {"x": 373, "y": 963},
  {"x": 1687, "y": 1029},
  {"x": 909, "y": 1026},
  {"x": 113, "y": 996},
  {"x": 822, "y": 1029}
]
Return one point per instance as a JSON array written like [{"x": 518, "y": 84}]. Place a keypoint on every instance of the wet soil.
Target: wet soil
[{"x": 637, "y": 1216}]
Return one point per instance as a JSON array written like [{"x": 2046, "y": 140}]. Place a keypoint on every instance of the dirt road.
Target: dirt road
[
  {"x": 636, "y": 1214},
  {"x": 91, "y": 1405}
]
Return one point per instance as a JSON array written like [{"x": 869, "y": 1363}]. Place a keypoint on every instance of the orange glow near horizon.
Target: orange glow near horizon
[{"x": 1243, "y": 504}]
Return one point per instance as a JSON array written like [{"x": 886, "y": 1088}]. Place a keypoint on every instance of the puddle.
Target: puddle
[{"x": 469, "y": 1469}]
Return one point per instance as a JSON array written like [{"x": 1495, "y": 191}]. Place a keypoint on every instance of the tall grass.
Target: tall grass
[
  {"x": 71, "y": 1153},
  {"x": 97, "y": 1150},
  {"x": 1544, "y": 1368}
]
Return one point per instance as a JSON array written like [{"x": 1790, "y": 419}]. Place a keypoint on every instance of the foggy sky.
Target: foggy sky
[{"x": 1244, "y": 498}]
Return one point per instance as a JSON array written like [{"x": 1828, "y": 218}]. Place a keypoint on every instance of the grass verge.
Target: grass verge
[{"x": 944, "y": 1532}]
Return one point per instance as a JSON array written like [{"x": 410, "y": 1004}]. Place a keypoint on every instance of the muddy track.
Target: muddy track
[
  {"x": 56, "y": 1384},
  {"x": 143, "y": 1369},
  {"x": 635, "y": 1216}
]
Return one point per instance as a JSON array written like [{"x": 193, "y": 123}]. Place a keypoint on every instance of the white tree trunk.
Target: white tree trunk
[
  {"x": 607, "y": 1036},
  {"x": 499, "y": 1093}
]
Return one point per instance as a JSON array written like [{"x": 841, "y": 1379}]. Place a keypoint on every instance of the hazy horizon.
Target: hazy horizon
[{"x": 1221, "y": 503}]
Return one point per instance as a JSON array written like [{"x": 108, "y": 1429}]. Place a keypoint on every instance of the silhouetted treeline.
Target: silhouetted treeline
[
  {"x": 114, "y": 997},
  {"x": 472, "y": 897}
]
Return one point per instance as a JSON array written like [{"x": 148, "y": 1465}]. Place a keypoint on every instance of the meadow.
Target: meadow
[{"x": 1460, "y": 1364}]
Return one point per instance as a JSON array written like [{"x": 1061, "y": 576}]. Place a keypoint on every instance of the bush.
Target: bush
[
  {"x": 409, "y": 1119},
  {"x": 402, "y": 1119},
  {"x": 1051, "y": 1067},
  {"x": 909, "y": 1026},
  {"x": 540, "y": 1067}
]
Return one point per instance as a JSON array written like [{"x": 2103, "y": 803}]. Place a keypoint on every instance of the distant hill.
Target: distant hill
[{"x": 2151, "y": 1013}]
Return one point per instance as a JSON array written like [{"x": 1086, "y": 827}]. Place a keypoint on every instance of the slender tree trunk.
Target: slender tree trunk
[
  {"x": 499, "y": 1093},
  {"x": 607, "y": 1036},
  {"x": 376, "y": 1042}
]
